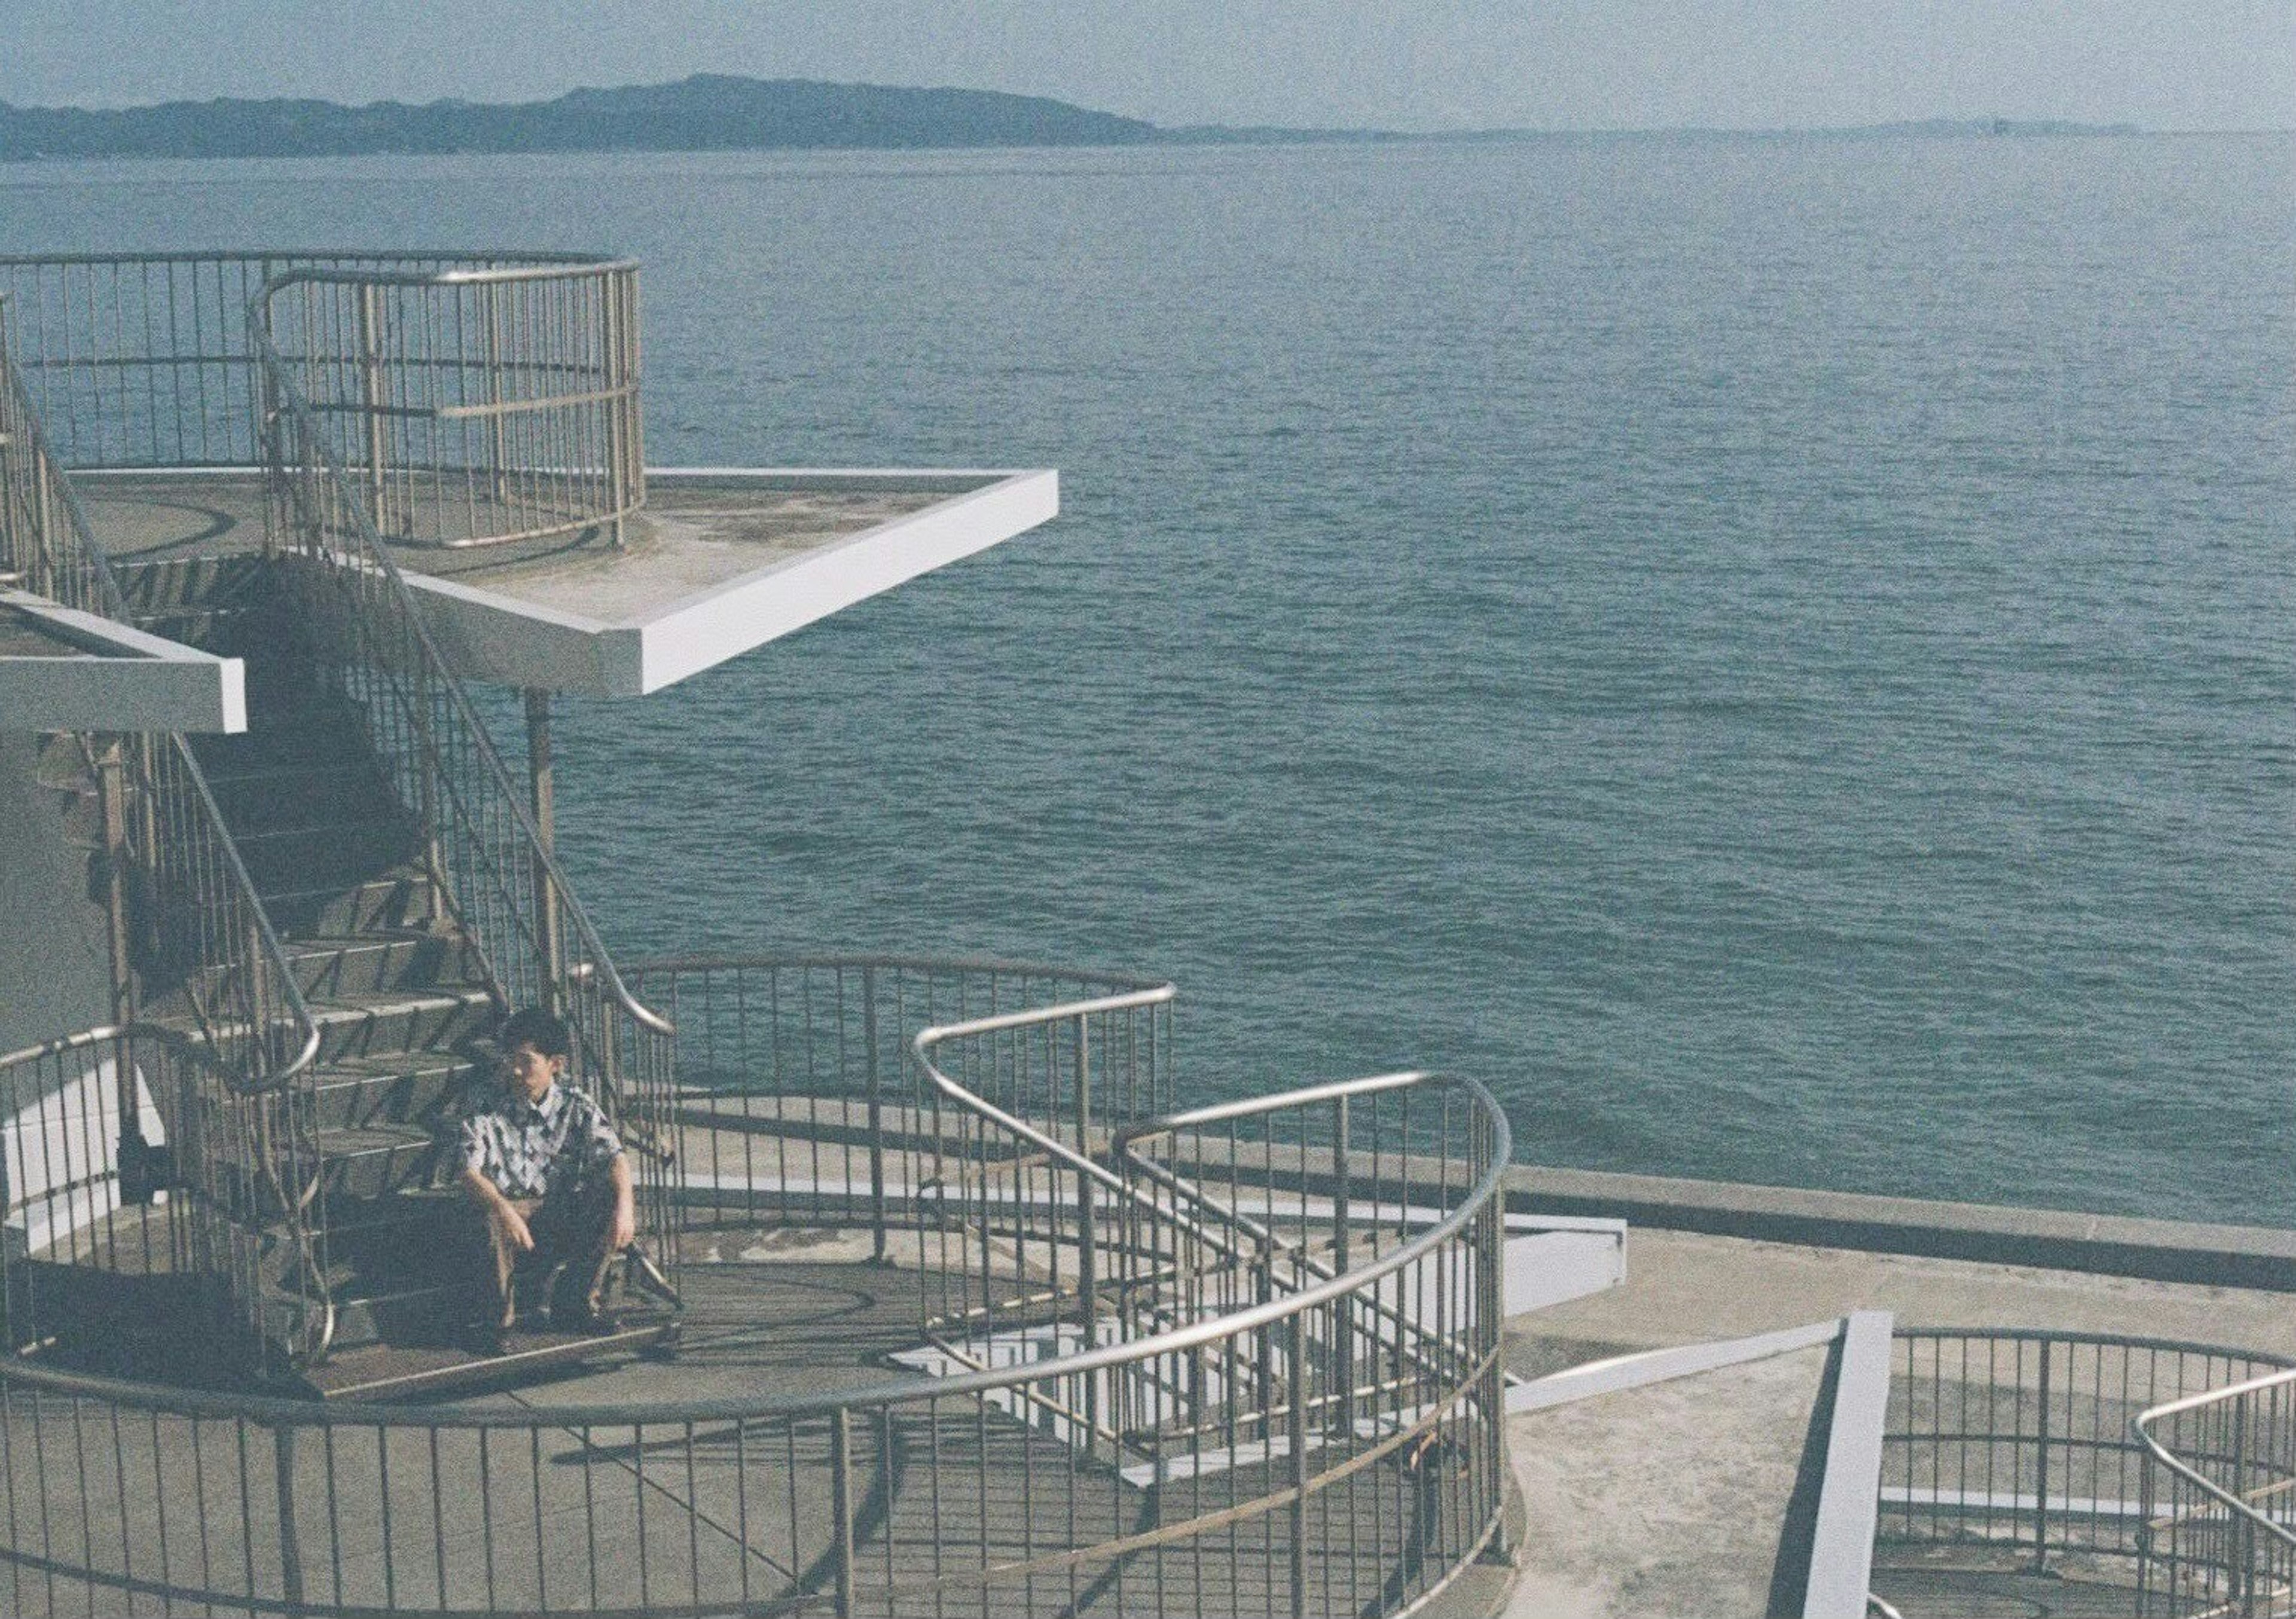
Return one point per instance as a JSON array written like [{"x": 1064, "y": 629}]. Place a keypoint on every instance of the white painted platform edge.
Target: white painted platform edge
[
  {"x": 2008, "y": 1500},
  {"x": 492, "y": 635},
  {"x": 702, "y": 630},
  {"x": 135, "y": 680},
  {"x": 1621, "y": 1372},
  {"x": 1849, "y": 1498}
]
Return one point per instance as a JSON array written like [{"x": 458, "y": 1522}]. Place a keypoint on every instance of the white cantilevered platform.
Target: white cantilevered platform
[
  {"x": 721, "y": 561},
  {"x": 65, "y": 670}
]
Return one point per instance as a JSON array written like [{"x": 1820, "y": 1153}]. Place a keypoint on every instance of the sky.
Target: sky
[{"x": 1397, "y": 64}]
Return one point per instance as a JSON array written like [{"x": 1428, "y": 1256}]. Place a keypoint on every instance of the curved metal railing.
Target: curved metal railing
[
  {"x": 489, "y": 404},
  {"x": 2147, "y": 1461},
  {"x": 2222, "y": 1522},
  {"x": 142, "y": 360},
  {"x": 1289, "y": 1455}
]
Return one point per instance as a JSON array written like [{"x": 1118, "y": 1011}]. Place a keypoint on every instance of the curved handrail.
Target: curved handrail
[
  {"x": 541, "y": 266},
  {"x": 1407, "y": 1416},
  {"x": 277, "y": 368},
  {"x": 2141, "y": 1425},
  {"x": 1471, "y": 1202},
  {"x": 277, "y": 1410}
]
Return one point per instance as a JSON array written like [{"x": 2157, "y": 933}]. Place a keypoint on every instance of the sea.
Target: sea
[{"x": 1776, "y": 655}]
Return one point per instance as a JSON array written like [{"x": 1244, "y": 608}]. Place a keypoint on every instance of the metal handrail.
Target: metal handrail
[
  {"x": 291, "y": 400},
  {"x": 1414, "y": 1408},
  {"x": 114, "y": 606},
  {"x": 273, "y": 1410},
  {"x": 2141, "y": 1425}
]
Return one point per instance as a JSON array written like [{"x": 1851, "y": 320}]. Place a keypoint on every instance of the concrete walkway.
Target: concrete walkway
[
  {"x": 1683, "y": 1288},
  {"x": 1666, "y": 1501}
]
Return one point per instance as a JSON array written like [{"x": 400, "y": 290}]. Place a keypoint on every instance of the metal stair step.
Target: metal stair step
[
  {"x": 323, "y": 732},
  {"x": 369, "y": 1161},
  {"x": 398, "y": 1088},
  {"x": 403, "y": 898},
  {"x": 303, "y": 858},
  {"x": 296, "y": 790},
  {"x": 382, "y": 961},
  {"x": 233, "y": 630},
  {"x": 398, "y": 1021},
  {"x": 190, "y": 582},
  {"x": 405, "y": 1238}
]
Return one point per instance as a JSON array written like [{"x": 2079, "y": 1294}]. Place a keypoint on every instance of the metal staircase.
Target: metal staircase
[{"x": 318, "y": 920}]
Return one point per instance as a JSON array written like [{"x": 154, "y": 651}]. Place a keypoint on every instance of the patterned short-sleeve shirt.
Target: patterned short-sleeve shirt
[{"x": 530, "y": 1150}]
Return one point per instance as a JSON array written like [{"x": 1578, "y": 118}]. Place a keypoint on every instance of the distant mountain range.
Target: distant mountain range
[{"x": 707, "y": 113}]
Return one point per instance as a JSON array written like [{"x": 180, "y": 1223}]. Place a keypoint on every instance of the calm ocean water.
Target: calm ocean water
[{"x": 1777, "y": 656}]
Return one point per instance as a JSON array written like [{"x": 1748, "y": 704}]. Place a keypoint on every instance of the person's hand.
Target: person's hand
[
  {"x": 511, "y": 1224},
  {"x": 623, "y": 1229}
]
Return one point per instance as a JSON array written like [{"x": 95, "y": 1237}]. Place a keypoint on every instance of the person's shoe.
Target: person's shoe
[
  {"x": 588, "y": 1322},
  {"x": 485, "y": 1339}
]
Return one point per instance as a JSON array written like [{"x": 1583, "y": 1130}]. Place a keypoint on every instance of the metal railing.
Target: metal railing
[
  {"x": 190, "y": 940},
  {"x": 2033, "y": 1443},
  {"x": 145, "y": 359},
  {"x": 1289, "y": 1456},
  {"x": 2220, "y": 1503},
  {"x": 482, "y": 844},
  {"x": 479, "y": 406},
  {"x": 45, "y": 544},
  {"x": 795, "y": 1099}
]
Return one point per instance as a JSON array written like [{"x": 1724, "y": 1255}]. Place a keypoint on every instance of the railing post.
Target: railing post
[
  {"x": 877, "y": 1216},
  {"x": 290, "y": 1545},
  {"x": 841, "y": 1504},
  {"x": 1087, "y": 1235},
  {"x": 542, "y": 799},
  {"x": 2041, "y": 1470},
  {"x": 1342, "y": 1352},
  {"x": 1298, "y": 1393},
  {"x": 370, "y": 327},
  {"x": 2243, "y": 1550}
]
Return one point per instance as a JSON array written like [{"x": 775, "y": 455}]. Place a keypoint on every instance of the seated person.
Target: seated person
[{"x": 548, "y": 1178}]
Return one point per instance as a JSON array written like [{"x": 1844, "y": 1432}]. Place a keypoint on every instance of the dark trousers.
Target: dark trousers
[{"x": 570, "y": 1240}]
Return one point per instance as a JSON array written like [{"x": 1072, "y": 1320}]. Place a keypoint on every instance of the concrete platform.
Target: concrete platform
[
  {"x": 1684, "y": 1288},
  {"x": 723, "y": 560},
  {"x": 1667, "y": 1501}
]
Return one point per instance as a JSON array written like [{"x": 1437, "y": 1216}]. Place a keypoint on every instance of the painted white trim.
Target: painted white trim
[
  {"x": 1639, "y": 1370},
  {"x": 706, "y": 629},
  {"x": 131, "y": 680},
  {"x": 1849, "y": 1498},
  {"x": 2010, "y": 1500},
  {"x": 1538, "y": 1270},
  {"x": 490, "y": 635}
]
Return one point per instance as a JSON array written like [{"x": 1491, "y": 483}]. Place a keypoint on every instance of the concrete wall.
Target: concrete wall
[{"x": 55, "y": 978}]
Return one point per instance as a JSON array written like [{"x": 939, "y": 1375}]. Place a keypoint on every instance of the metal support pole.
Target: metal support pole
[
  {"x": 617, "y": 408},
  {"x": 841, "y": 1504},
  {"x": 370, "y": 323},
  {"x": 543, "y": 800},
  {"x": 877, "y": 1216},
  {"x": 2041, "y": 1472},
  {"x": 291, "y": 1549},
  {"x": 1087, "y": 1235},
  {"x": 132, "y": 1154},
  {"x": 1297, "y": 1395},
  {"x": 1343, "y": 1349}
]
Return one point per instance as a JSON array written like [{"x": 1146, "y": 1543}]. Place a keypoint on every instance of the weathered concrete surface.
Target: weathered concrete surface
[
  {"x": 1684, "y": 1288},
  {"x": 2109, "y": 1245},
  {"x": 1667, "y": 1501},
  {"x": 55, "y": 975}
]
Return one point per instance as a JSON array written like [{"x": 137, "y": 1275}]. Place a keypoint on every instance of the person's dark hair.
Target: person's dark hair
[{"x": 531, "y": 1026}]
